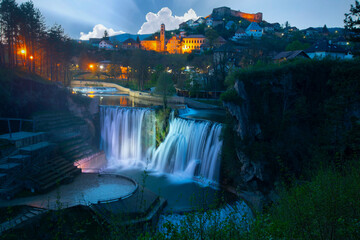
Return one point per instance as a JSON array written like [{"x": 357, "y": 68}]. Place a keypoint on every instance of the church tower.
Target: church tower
[{"x": 162, "y": 38}]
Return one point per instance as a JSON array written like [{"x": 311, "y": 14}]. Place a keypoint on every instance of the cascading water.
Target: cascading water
[
  {"x": 191, "y": 147},
  {"x": 127, "y": 135}
]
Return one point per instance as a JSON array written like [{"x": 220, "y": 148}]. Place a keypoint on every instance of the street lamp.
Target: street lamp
[{"x": 31, "y": 57}]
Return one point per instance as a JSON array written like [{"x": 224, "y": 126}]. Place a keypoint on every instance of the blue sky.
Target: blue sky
[{"x": 130, "y": 15}]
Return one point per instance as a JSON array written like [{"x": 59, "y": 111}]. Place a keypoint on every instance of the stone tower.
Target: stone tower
[{"x": 162, "y": 38}]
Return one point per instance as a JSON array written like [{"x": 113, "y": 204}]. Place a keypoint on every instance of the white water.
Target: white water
[
  {"x": 238, "y": 213},
  {"x": 191, "y": 148},
  {"x": 127, "y": 135}
]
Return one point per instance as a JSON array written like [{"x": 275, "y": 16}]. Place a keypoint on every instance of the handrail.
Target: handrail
[{"x": 17, "y": 119}]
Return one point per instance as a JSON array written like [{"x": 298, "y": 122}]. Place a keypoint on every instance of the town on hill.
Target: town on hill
[{"x": 236, "y": 28}]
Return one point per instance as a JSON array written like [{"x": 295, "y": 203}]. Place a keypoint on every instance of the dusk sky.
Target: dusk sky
[{"x": 145, "y": 16}]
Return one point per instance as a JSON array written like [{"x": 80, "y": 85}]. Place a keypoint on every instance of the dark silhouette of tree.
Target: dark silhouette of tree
[
  {"x": 106, "y": 34},
  {"x": 9, "y": 19},
  {"x": 352, "y": 21},
  {"x": 165, "y": 87}
]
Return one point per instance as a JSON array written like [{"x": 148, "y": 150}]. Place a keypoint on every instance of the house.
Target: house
[
  {"x": 230, "y": 24},
  {"x": 311, "y": 32},
  {"x": 217, "y": 22},
  {"x": 289, "y": 55},
  {"x": 130, "y": 43},
  {"x": 106, "y": 44},
  {"x": 342, "y": 41},
  {"x": 254, "y": 30},
  {"x": 209, "y": 22},
  {"x": 240, "y": 33},
  {"x": 268, "y": 28},
  {"x": 219, "y": 41},
  {"x": 103, "y": 65},
  {"x": 190, "y": 22},
  {"x": 325, "y": 48},
  {"x": 291, "y": 29},
  {"x": 201, "y": 20},
  {"x": 95, "y": 42}
]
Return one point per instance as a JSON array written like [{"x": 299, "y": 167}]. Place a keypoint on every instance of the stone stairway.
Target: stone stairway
[
  {"x": 27, "y": 214},
  {"x": 14, "y": 168},
  {"x": 53, "y": 172},
  {"x": 69, "y": 131}
]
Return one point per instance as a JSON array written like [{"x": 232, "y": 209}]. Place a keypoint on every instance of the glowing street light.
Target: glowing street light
[
  {"x": 91, "y": 66},
  {"x": 23, "y": 51},
  {"x": 31, "y": 57},
  {"x": 101, "y": 67}
]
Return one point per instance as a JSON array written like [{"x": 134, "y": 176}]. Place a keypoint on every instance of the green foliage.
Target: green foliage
[
  {"x": 229, "y": 165},
  {"x": 162, "y": 124},
  {"x": 113, "y": 70},
  {"x": 297, "y": 45},
  {"x": 352, "y": 21},
  {"x": 306, "y": 113},
  {"x": 165, "y": 87},
  {"x": 231, "y": 96},
  {"x": 324, "y": 208}
]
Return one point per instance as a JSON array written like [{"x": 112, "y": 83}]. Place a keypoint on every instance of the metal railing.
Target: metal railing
[{"x": 20, "y": 123}]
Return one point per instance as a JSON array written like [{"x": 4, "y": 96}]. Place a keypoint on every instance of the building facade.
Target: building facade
[{"x": 175, "y": 45}]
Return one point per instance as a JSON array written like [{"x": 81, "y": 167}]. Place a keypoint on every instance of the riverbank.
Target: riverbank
[{"x": 146, "y": 96}]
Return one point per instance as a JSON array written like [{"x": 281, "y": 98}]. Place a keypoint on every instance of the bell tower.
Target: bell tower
[{"x": 162, "y": 38}]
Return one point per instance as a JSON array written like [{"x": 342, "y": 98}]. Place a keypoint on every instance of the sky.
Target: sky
[{"x": 82, "y": 19}]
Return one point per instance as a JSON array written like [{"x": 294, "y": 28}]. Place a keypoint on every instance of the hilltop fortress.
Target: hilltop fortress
[{"x": 223, "y": 12}]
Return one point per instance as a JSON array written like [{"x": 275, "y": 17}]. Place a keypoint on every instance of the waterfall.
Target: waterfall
[
  {"x": 127, "y": 135},
  {"x": 191, "y": 148}
]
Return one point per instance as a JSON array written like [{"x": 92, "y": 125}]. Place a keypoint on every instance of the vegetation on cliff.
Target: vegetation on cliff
[
  {"x": 308, "y": 113},
  {"x": 309, "y": 144}
]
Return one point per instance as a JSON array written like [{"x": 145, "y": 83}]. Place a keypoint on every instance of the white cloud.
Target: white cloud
[
  {"x": 98, "y": 32},
  {"x": 154, "y": 20}
]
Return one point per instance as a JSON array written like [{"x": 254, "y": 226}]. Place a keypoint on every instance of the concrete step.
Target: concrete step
[
  {"x": 23, "y": 139},
  {"x": 19, "y": 158},
  {"x": 35, "y": 148}
]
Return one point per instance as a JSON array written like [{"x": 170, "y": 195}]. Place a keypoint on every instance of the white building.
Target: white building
[
  {"x": 240, "y": 33},
  {"x": 106, "y": 44},
  {"x": 325, "y": 49},
  {"x": 254, "y": 30}
]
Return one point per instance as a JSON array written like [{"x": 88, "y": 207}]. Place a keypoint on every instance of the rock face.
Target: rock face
[
  {"x": 252, "y": 173},
  {"x": 244, "y": 127}
]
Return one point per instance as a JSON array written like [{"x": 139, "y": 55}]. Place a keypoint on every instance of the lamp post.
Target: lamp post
[{"x": 23, "y": 53}]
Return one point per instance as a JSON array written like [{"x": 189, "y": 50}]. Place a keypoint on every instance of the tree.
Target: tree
[
  {"x": 9, "y": 20},
  {"x": 106, "y": 34},
  {"x": 297, "y": 45},
  {"x": 165, "y": 87},
  {"x": 352, "y": 21},
  {"x": 211, "y": 35},
  {"x": 113, "y": 70}
]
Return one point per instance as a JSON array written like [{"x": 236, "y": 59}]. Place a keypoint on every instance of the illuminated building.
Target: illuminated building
[
  {"x": 176, "y": 44},
  {"x": 223, "y": 12},
  {"x": 192, "y": 42}
]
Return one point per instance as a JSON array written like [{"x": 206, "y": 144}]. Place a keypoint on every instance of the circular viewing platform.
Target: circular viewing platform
[{"x": 86, "y": 189}]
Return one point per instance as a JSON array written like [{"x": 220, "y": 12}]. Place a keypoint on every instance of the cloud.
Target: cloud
[
  {"x": 98, "y": 32},
  {"x": 154, "y": 20}
]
